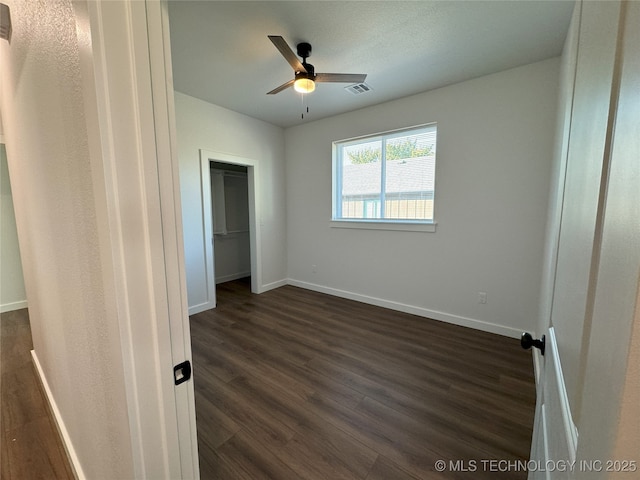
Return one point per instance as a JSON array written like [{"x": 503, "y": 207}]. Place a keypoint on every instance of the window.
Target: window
[{"x": 385, "y": 178}]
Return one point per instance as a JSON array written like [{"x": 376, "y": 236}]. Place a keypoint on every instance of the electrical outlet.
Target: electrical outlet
[
  {"x": 314, "y": 268},
  {"x": 482, "y": 297}
]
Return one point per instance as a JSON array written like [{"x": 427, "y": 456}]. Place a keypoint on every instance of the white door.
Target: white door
[
  {"x": 598, "y": 252},
  {"x": 610, "y": 409},
  {"x": 125, "y": 64},
  {"x": 554, "y": 443},
  {"x": 182, "y": 391}
]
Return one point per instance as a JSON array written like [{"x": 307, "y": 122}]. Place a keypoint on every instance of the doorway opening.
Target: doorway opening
[
  {"x": 231, "y": 233},
  {"x": 230, "y": 220}
]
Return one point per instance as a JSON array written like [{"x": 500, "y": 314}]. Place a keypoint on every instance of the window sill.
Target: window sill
[{"x": 376, "y": 225}]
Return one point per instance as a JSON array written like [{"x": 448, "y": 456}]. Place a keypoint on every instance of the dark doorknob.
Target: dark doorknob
[{"x": 527, "y": 341}]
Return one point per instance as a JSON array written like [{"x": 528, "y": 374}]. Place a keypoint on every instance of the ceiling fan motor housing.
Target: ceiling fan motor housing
[
  {"x": 310, "y": 72},
  {"x": 304, "y": 49}
]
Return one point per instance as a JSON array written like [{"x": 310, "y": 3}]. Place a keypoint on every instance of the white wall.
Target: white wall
[
  {"x": 77, "y": 344},
  {"x": 12, "y": 293},
  {"x": 495, "y": 142},
  {"x": 201, "y": 125},
  {"x": 568, "y": 62}
]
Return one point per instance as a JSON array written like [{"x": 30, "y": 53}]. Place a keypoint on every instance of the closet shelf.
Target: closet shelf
[{"x": 230, "y": 232}]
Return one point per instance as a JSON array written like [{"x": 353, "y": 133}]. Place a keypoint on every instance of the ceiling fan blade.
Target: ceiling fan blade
[
  {"x": 341, "y": 77},
  {"x": 282, "y": 87},
  {"x": 287, "y": 53}
]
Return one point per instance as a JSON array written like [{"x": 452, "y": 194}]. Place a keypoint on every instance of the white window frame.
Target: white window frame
[{"x": 379, "y": 223}]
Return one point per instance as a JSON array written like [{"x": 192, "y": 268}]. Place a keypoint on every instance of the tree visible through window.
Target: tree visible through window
[{"x": 387, "y": 177}]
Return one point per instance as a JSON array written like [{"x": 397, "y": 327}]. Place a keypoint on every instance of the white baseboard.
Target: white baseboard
[
  {"x": 273, "y": 285},
  {"x": 233, "y": 276},
  {"x": 201, "y": 307},
  {"x": 422, "y": 312},
  {"x": 62, "y": 429},
  {"x": 401, "y": 307},
  {"x": 10, "y": 307}
]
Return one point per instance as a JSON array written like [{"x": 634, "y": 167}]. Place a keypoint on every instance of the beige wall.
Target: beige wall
[{"x": 45, "y": 128}]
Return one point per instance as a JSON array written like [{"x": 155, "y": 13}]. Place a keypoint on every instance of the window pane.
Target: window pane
[
  {"x": 388, "y": 177},
  {"x": 409, "y": 175},
  {"x": 361, "y": 180}
]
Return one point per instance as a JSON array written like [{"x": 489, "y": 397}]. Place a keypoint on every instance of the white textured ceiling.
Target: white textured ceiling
[{"x": 221, "y": 53}]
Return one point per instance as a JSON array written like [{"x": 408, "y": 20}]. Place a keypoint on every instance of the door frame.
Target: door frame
[{"x": 206, "y": 157}]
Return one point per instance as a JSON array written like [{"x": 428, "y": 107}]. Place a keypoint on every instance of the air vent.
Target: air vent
[{"x": 358, "y": 88}]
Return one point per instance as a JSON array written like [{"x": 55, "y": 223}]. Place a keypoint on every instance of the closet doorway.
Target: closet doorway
[
  {"x": 230, "y": 220},
  {"x": 230, "y": 207}
]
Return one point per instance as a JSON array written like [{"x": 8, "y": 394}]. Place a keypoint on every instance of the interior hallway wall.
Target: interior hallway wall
[
  {"x": 74, "y": 337},
  {"x": 201, "y": 125},
  {"x": 12, "y": 292}
]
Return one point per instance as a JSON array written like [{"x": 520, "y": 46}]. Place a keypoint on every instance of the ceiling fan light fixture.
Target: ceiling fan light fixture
[
  {"x": 305, "y": 76},
  {"x": 304, "y": 85}
]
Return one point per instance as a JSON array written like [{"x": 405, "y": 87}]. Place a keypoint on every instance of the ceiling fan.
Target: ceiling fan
[{"x": 305, "y": 77}]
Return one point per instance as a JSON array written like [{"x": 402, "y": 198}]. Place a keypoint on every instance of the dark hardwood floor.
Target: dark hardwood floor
[
  {"x": 31, "y": 446},
  {"x": 293, "y": 384}
]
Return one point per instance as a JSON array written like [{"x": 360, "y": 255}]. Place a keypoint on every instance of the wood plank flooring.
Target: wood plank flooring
[
  {"x": 31, "y": 446},
  {"x": 293, "y": 384}
]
